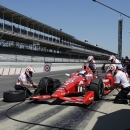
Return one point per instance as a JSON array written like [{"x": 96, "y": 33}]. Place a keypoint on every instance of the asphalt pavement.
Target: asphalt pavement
[{"x": 111, "y": 116}]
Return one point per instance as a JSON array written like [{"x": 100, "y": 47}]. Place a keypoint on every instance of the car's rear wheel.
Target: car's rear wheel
[{"x": 96, "y": 85}]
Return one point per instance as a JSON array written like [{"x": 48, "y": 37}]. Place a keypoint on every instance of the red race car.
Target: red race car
[{"x": 82, "y": 86}]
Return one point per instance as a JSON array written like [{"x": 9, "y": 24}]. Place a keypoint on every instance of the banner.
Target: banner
[{"x": 47, "y": 67}]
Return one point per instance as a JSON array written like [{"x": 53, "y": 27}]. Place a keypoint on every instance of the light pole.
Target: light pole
[{"x": 119, "y": 28}]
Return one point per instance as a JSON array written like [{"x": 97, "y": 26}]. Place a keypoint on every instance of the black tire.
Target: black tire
[
  {"x": 57, "y": 83},
  {"x": 46, "y": 86},
  {"x": 96, "y": 85},
  {"x": 14, "y": 96}
]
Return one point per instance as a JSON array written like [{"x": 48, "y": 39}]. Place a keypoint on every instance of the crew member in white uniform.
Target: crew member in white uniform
[
  {"x": 92, "y": 64},
  {"x": 120, "y": 78},
  {"x": 118, "y": 64},
  {"x": 25, "y": 80}
]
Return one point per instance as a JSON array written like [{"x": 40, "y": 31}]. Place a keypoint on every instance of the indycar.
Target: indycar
[{"x": 78, "y": 87}]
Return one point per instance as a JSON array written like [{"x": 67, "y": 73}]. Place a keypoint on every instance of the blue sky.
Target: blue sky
[{"x": 83, "y": 19}]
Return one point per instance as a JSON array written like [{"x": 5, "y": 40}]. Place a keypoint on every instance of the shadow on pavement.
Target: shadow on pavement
[{"x": 119, "y": 120}]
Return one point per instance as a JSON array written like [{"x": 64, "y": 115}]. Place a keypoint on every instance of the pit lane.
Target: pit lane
[{"x": 50, "y": 114}]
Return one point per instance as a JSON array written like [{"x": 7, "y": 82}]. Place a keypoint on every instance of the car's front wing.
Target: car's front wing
[{"x": 87, "y": 98}]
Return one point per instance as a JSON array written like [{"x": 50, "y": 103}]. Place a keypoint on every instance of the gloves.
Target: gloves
[
  {"x": 106, "y": 88},
  {"x": 35, "y": 86}
]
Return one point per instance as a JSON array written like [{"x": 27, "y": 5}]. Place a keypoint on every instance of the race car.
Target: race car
[{"x": 81, "y": 86}]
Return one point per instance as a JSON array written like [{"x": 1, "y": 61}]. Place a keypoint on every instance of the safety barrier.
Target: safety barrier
[
  {"x": 16, "y": 70},
  {"x": 10, "y": 71}
]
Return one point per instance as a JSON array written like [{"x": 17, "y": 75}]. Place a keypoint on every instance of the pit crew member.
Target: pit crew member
[
  {"x": 24, "y": 81},
  {"x": 92, "y": 64},
  {"x": 103, "y": 68},
  {"x": 127, "y": 65},
  {"x": 120, "y": 79},
  {"x": 113, "y": 60}
]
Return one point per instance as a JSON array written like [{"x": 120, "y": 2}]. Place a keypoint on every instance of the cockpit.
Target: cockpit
[{"x": 82, "y": 73}]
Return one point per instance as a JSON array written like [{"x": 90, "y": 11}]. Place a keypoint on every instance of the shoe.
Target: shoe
[
  {"x": 120, "y": 101},
  {"x": 28, "y": 95}
]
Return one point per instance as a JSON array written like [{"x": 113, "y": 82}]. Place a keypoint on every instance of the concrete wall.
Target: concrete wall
[{"x": 15, "y": 68}]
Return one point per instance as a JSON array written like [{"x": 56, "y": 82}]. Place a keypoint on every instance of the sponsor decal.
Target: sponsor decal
[
  {"x": 37, "y": 97},
  {"x": 105, "y": 80},
  {"x": 58, "y": 90},
  {"x": 45, "y": 96},
  {"x": 70, "y": 80},
  {"x": 66, "y": 98},
  {"x": 91, "y": 98},
  {"x": 80, "y": 86},
  {"x": 107, "y": 85},
  {"x": 89, "y": 75}
]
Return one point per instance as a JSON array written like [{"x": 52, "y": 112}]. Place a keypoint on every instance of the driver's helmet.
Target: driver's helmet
[
  {"x": 112, "y": 58},
  {"x": 85, "y": 61},
  {"x": 112, "y": 69},
  {"x": 29, "y": 71},
  {"x": 82, "y": 72},
  {"x": 90, "y": 58}
]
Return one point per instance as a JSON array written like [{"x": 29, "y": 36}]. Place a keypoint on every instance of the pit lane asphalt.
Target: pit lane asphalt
[{"x": 66, "y": 115}]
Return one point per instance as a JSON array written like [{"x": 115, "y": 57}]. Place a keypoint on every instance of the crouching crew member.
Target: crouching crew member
[
  {"x": 25, "y": 81},
  {"x": 120, "y": 78}
]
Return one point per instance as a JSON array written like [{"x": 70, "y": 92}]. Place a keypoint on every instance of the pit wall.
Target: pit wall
[{"x": 15, "y": 68}]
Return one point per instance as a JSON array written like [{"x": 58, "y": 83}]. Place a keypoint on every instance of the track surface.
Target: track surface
[{"x": 48, "y": 115}]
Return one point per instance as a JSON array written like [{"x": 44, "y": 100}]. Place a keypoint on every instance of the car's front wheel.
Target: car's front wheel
[
  {"x": 96, "y": 85},
  {"x": 45, "y": 86}
]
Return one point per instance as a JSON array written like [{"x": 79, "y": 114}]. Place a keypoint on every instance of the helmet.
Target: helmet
[
  {"x": 90, "y": 58},
  {"x": 29, "y": 71},
  {"x": 111, "y": 58},
  {"x": 82, "y": 72},
  {"x": 112, "y": 68},
  {"x": 85, "y": 61}
]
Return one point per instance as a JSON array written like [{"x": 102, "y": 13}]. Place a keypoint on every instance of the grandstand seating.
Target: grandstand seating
[
  {"x": 41, "y": 37},
  {"x": 23, "y": 55},
  {"x": 14, "y": 54},
  {"x": 25, "y": 58}
]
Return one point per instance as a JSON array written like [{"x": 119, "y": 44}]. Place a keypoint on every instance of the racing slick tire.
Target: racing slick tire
[
  {"x": 47, "y": 85},
  {"x": 14, "y": 96},
  {"x": 57, "y": 83},
  {"x": 96, "y": 85}
]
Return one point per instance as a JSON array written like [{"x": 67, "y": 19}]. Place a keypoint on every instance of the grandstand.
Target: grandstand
[{"x": 26, "y": 39}]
